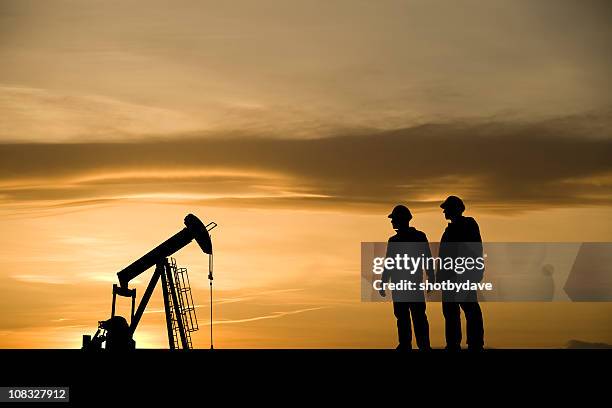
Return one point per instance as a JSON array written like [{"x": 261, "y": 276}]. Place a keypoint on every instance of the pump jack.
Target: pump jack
[{"x": 178, "y": 303}]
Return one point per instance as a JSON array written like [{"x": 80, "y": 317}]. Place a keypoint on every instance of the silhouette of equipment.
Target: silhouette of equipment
[{"x": 179, "y": 309}]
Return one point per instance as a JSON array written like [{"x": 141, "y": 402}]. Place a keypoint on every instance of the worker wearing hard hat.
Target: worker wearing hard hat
[
  {"x": 461, "y": 238},
  {"x": 407, "y": 304}
]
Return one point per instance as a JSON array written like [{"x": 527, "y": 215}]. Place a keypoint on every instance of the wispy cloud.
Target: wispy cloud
[
  {"x": 249, "y": 297},
  {"x": 495, "y": 164},
  {"x": 274, "y": 315},
  {"x": 68, "y": 116},
  {"x": 50, "y": 279}
]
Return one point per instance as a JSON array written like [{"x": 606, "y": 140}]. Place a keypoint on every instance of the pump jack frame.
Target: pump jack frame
[
  {"x": 172, "y": 306},
  {"x": 178, "y": 303}
]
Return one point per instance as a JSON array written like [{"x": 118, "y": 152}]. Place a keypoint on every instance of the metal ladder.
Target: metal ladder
[{"x": 188, "y": 316}]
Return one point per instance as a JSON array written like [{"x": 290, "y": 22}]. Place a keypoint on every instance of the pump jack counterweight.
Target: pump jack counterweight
[{"x": 179, "y": 308}]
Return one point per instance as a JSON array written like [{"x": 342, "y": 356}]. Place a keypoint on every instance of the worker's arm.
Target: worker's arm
[
  {"x": 431, "y": 272},
  {"x": 476, "y": 248}
]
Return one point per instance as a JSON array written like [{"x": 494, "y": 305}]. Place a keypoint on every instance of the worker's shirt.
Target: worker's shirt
[
  {"x": 461, "y": 239},
  {"x": 412, "y": 243}
]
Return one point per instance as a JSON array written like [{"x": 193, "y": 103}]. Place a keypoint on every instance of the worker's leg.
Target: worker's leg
[
  {"x": 421, "y": 325},
  {"x": 452, "y": 320},
  {"x": 474, "y": 325},
  {"x": 404, "y": 331}
]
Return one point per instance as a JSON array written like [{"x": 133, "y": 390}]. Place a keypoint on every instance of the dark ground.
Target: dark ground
[{"x": 309, "y": 377}]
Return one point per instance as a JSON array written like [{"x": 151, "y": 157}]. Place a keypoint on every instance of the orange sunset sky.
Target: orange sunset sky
[{"x": 296, "y": 126}]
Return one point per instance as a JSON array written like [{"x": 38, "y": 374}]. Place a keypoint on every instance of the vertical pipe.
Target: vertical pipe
[
  {"x": 133, "y": 304},
  {"x": 211, "y": 316},
  {"x": 114, "y": 300}
]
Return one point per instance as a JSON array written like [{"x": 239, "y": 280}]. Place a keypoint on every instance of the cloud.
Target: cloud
[
  {"x": 580, "y": 344},
  {"x": 33, "y": 114},
  {"x": 246, "y": 298},
  {"x": 274, "y": 315},
  {"x": 496, "y": 165},
  {"x": 54, "y": 280},
  {"x": 89, "y": 70}
]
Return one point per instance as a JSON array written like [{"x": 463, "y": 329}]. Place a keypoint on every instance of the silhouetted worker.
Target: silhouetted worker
[
  {"x": 413, "y": 243},
  {"x": 461, "y": 239}
]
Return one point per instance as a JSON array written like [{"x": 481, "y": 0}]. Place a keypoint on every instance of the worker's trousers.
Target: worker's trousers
[
  {"x": 403, "y": 312},
  {"x": 473, "y": 323}
]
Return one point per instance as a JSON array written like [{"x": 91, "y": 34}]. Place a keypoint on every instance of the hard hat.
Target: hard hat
[
  {"x": 453, "y": 203},
  {"x": 400, "y": 212}
]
